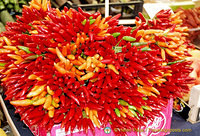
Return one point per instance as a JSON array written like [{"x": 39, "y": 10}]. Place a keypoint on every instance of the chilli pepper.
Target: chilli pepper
[
  {"x": 45, "y": 120},
  {"x": 116, "y": 34},
  {"x": 71, "y": 113},
  {"x": 128, "y": 38},
  {"x": 73, "y": 124},
  {"x": 25, "y": 102},
  {"x": 117, "y": 112},
  {"x": 74, "y": 97},
  {"x": 25, "y": 113},
  {"x": 26, "y": 49},
  {"x": 141, "y": 17},
  {"x": 86, "y": 93},
  {"x": 139, "y": 43},
  {"x": 35, "y": 113},
  {"x": 95, "y": 106}
]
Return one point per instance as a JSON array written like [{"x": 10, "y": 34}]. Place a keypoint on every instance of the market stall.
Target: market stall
[{"x": 75, "y": 67}]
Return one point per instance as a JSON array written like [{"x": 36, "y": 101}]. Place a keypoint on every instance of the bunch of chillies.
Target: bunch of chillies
[{"x": 79, "y": 69}]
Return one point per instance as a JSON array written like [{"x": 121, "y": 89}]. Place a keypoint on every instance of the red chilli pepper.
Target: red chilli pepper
[
  {"x": 74, "y": 97},
  {"x": 45, "y": 120},
  {"x": 62, "y": 100},
  {"x": 141, "y": 17},
  {"x": 86, "y": 93},
  {"x": 107, "y": 61},
  {"x": 24, "y": 115},
  {"x": 71, "y": 113}
]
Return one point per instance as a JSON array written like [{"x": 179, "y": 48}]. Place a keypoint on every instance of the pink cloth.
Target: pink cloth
[{"x": 160, "y": 126}]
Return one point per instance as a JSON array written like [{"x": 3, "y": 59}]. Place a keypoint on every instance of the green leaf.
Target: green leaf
[
  {"x": 2, "y": 5},
  {"x": 10, "y": 6},
  {"x": 13, "y": 1},
  {"x": 6, "y": 1}
]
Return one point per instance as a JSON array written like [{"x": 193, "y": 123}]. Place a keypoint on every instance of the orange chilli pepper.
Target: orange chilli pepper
[
  {"x": 48, "y": 102},
  {"x": 25, "y": 102}
]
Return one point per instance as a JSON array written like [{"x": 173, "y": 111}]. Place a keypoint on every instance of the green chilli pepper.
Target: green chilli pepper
[
  {"x": 76, "y": 66},
  {"x": 83, "y": 55},
  {"x": 134, "y": 113},
  {"x": 73, "y": 52},
  {"x": 144, "y": 98},
  {"x": 133, "y": 28},
  {"x": 146, "y": 49},
  {"x": 140, "y": 113},
  {"x": 92, "y": 21},
  {"x": 116, "y": 34},
  {"x": 84, "y": 114},
  {"x": 26, "y": 49},
  {"x": 132, "y": 107},
  {"x": 90, "y": 17},
  {"x": 174, "y": 62},
  {"x": 117, "y": 112},
  {"x": 144, "y": 107},
  {"x": 128, "y": 38},
  {"x": 139, "y": 43},
  {"x": 117, "y": 49},
  {"x": 53, "y": 103},
  {"x": 84, "y": 22},
  {"x": 39, "y": 47},
  {"x": 32, "y": 57},
  {"x": 2, "y": 64},
  {"x": 123, "y": 103}
]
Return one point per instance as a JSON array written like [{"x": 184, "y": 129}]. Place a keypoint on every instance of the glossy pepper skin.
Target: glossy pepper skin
[{"x": 129, "y": 80}]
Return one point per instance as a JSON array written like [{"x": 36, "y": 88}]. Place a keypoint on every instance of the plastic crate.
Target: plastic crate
[{"x": 133, "y": 7}]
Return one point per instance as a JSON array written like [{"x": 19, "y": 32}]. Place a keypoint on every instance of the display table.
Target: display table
[{"x": 179, "y": 123}]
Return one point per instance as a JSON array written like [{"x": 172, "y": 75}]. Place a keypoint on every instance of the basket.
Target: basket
[{"x": 133, "y": 7}]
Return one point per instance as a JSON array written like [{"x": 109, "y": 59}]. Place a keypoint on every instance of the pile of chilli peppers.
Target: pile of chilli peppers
[{"x": 81, "y": 70}]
